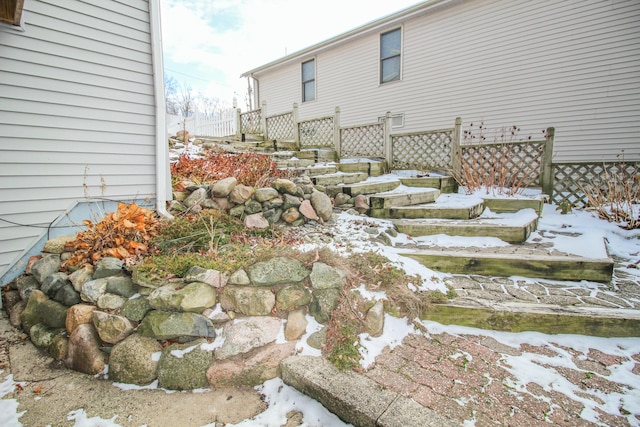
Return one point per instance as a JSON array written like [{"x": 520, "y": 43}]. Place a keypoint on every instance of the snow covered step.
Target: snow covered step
[
  {"x": 535, "y": 265},
  {"x": 445, "y": 184},
  {"x": 403, "y": 198},
  {"x": 339, "y": 178},
  {"x": 370, "y": 187},
  {"x": 311, "y": 170},
  {"x": 510, "y": 227},
  {"x": 447, "y": 206}
]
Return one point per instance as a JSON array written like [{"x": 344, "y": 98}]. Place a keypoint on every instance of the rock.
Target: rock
[
  {"x": 42, "y": 336},
  {"x": 285, "y": 186},
  {"x": 135, "y": 309},
  {"x": 110, "y": 327},
  {"x": 134, "y": 360},
  {"x": 307, "y": 210},
  {"x": 384, "y": 238},
  {"x": 224, "y": 187},
  {"x": 272, "y": 215},
  {"x": 250, "y": 369},
  {"x": 249, "y": 333},
  {"x": 305, "y": 188},
  {"x": 322, "y": 205},
  {"x": 324, "y": 276},
  {"x": 241, "y": 193},
  {"x": 360, "y": 203},
  {"x": 239, "y": 277},
  {"x": 15, "y": 313},
  {"x": 59, "y": 347},
  {"x": 213, "y": 278},
  {"x": 46, "y": 266},
  {"x": 93, "y": 290},
  {"x": 56, "y": 245},
  {"x": 108, "y": 266},
  {"x": 342, "y": 199},
  {"x": 291, "y": 215},
  {"x": 77, "y": 315},
  {"x": 121, "y": 285},
  {"x": 291, "y": 202},
  {"x": 83, "y": 352},
  {"x": 291, "y": 297},
  {"x": 265, "y": 194},
  {"x": 53, "y": 282},
  {"x": 237, "y": 211},
  {"x": 277, "y": 271},
  {"x": 223, "y": 203},
  {"x": 53, "y": 314},
  {"x": 248, "y": 300},
  {"x": 193, "y": 297},
  {"x": 318, "y": 339},
  {"x": 323, "y": 304},
  {"x": 217, "y": 316},
  {"x": 67, "y": 295},
  {"x": 184, "y": 366},
  {"x": 31, "y": 313},
  {"x": 252, "y": 207},
  {"x": 25, "y": 285},
  {"x": 81, "y": 276},
  {"x": 109, "y": 301},
  {"x": 374, "y": 321},
  {"x": 164, "y": 325},
  {"x": 256, "y": 221},
  {"x": 195, "y": 198},
  {"x": 10, "y": 298},
  {"x": 296, "y": 325}
]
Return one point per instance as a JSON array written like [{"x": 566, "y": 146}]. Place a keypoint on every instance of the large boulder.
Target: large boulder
[
  {"x": 108, "y": 266},
  {"x": 134, "y": 360},
  {"x": 224, "y": 187},
  {"x": 322, "y": 205},
  {"x": 277, "y": 271},
  {"x": 194, "y": 297},
  {"x": 244, "y": 335},
  {"x": 247, "y": 300},
  {"x": 164, "y": 325},
  {"x": 135, "y": 309},
  {"x": 25, "y": 285},
  {"x": 184, "y": 366},
  {"x": 46, "y": 266},
  {"x": 110, "y": 327},
  {"x": 83, "y": 351},
  {"x": 285, "y": 186},
  {"x": 77, "y": 315},
  {"x": 290, "y": 297},
  {"x": 93, "y": 290},
  {"x": 323, "y": 304},
  {"x": 324, "y": 276}
]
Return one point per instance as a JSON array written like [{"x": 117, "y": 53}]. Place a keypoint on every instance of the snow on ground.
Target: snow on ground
[{"x": 9, "y": 415}]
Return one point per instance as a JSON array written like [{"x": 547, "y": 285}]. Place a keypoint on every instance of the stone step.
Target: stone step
[
  {"x": 403, "y": 198},
  {"x": 512, "y": 228},
  {"x": 536, "y": 265},
  {"x": 369, "y": 187},
  {"x": 339, "y": 178},
  {"x": 446, "y": 184},
  {"x": 447, "y": 206},
  {"x": 313, "y": 170},
  {"x": 294, "y": 163}
]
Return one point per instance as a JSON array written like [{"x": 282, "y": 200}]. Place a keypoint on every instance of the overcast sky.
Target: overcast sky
[{"x": 209, "y": 43}]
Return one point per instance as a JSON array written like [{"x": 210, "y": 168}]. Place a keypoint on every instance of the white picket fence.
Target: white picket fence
[{"x": 223, "y": 123}]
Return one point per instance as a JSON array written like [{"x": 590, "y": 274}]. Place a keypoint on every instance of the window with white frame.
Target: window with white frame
[
  {"x": 397, "y": 120},
  {"x": 309, "y": 80},
  {"x": 390, "y": 55},
  {"x": 11, "y": 11}
]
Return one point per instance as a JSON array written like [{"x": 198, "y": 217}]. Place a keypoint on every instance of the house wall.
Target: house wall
[
  {"x": 76, "y": 113},
  {"x": 567, "y": 64}
]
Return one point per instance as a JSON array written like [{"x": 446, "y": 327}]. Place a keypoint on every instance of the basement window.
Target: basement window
[
  {"x": 397, "y": 120},
  {"x": 11, "y": 12}
]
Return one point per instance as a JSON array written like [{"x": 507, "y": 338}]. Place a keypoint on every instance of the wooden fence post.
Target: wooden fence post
[
  {"x": 296, "y": 130},
  {"x": 388, "y": 150},
  {"x": 263, "y": 120},
  {"x": 456, "y": 151},
  {"x": 546, "y": 166},
  {"x": 336, "y": 133},
  {"x": 238, "y": 124}
]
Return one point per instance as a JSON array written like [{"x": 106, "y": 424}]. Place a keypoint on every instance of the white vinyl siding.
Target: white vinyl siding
[
  {"x": 571, "y": 65},
  {"x": 76, "y": 113}
]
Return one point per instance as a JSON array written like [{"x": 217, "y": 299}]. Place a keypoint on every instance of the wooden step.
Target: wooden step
[
  {"x": 513, "y": 204},
  {"x": 294, "y": 163},
  {"x": 512, "y": 228},
  {"x": 339, "y": 178},
  {"x": 371, "y": 167},
  {"x": 369, "y": 187},
  {"x": 447, "y": 206},
  {"x": 446, "y": 184},
  {"x": 403, "y": 198},
  {"x": 544, "y": 266},
  {"x": 311, "y": 170}
]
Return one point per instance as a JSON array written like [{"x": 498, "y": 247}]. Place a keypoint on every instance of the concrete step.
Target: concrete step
[
  {"x": 510, "y": 227},
  {"x": 446, "y": 184},
  {"x": 339, "y": 178},
  {"x": 312, "y": 170},
  {"x": 369, "y": 187},
  {"x": 447, "y": 206},
  {"x": 403, "y": 198},
  {"x": 536, "y": 265}
]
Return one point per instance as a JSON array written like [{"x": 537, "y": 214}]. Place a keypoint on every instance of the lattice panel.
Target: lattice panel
[
  {"x": 280, "y": 127},
  {"x": 316, "y": 133},
  {"x": 362, "y": 141},
  {"x": 570, "y": 180},
  {"x": 422, "y": 151},
  {"x": 514, "y": 162},
  {"x": 250, "y": 122}
]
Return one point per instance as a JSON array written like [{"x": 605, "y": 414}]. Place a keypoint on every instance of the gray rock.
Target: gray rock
[
  {"x": 322, "y": 205},
  {"x": 305, "y": 188},
  {"x": 15, "y": 313},
  {"x": 31, "y": 313},
  {"x": 81, "y": 276},
  {"x": 256, "y": 221},
  {"x": 291, "y": 202},
  {"x": 83, "y": 352},
  {"x": 109, "y": 301},
  {"x": 241, "y": 193},
  {"x": 108, "y": 266},
  {"x": 184, "y": 366},
  {"x": 341, "y": 199},
  {"x": 296, "y": 325},
  {"x": 265, "y": 194},
  {"x": 213, "y": 278},
  {"x": 291, "y": 215},
  {"x": 42, "y": 335},
  {"x": 318, "y": 339},
  {"x": 247, "y": 300},
  {"x": 59, "y": 347},
  {"x": 237, "y": 211},
  {"x": 53, "y": 282},
  {"x": 252, "y": 207},
  {"x": 293, "y": 296},
  {"x": 164, "y": 325},
  {"x": 133, "y": 361},
  {"x": 121, "y": 285},
  {"x": 374, "y": 321},
  {"x": 193, "y": 297},
  {"x": 272, "y": 215},
  {"x": 277, "y": 271},
  {"x": 323, "y": 304},
  {"x": 224, "y": 187},
  {"x": 10, "y": 297},
  {"x": 216, "y": 316},
  {"x": 110, "y": 327},
  {"x": 249, "y": 333},
  {"x": 67, "y": 295},
  {"x": 46, "y": 266},
  {"x": 384, "y": 238},
  {"x": 285, "y": 186},
  {"x": 135, "y": 309},
  {"x": 25, "y": 285},
  {"x": 56, "y": 245},
  {"x": 239, "y": 277},
  {"x": 93, "y": 289},
  {"x": 195, "y": 198},
  {"x": 324, "y": 276}
]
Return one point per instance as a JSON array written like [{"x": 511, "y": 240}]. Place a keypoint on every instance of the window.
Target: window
[
  {"x": 390, "y": 43},
  {"x": 11, "y": 11},
  {"x": 309, "y": 80},
  {"x": 397, "y": 120}
]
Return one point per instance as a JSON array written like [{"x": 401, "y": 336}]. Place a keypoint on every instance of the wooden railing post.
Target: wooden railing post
[
  {"x": 238, "y": 123},
  {"x": 546, "y": 166},
  {"x": 388, "y": 150},
  {"x": 296, "y": 130},
  {"x": 263, "y": 120},
  {"x": 336, "y": 133},
  {"x": 456, "y": 151}
]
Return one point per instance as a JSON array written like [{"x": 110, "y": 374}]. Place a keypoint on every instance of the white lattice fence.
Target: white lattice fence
[
  {"x": 362, "y": 141},
  {"x": 422, "y": 150},
  {"x": 571, "y": 179},
  {"x": 250, "y": 122},
  {"x": 280, "y": 127},
  {"x": 316, "y": 133}
]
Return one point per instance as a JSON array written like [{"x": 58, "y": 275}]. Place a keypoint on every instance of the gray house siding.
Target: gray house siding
[
  {"x": 574, "y": 65},
  {"x": 77, "y": 113}
]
